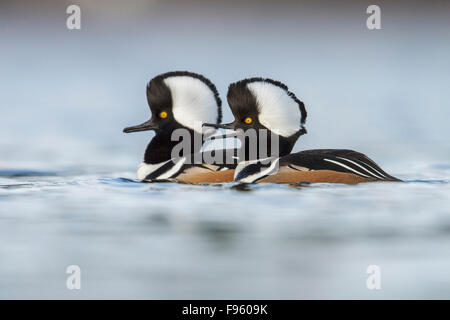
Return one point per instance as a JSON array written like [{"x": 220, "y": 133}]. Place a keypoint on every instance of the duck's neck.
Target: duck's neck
[
  {"x": 161, "y": 146},
  {"x": 272, "y": 146}
]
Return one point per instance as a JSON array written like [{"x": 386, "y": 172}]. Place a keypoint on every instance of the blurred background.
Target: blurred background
[{"x": 66, "y": 95}]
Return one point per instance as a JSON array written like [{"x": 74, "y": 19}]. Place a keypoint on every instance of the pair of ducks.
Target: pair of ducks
[{"x": 189, "y": 101}]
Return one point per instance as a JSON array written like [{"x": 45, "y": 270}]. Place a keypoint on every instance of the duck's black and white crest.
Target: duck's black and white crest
[
  {"x": 278, "y": 109},
  {"x": 192, "y": 98}
]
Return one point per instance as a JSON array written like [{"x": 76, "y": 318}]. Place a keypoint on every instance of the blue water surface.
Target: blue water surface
[{"x": 168, "y": 240}]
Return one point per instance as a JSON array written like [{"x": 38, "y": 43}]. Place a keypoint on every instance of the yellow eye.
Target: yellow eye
[
  {"x": 248, "y": 120},
  {"x": 163, "y": 115}
]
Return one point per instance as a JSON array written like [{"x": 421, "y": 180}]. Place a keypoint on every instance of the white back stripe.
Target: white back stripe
[
  {"x": 347, "y": 167},
  {"x": 356, "y": 164}
]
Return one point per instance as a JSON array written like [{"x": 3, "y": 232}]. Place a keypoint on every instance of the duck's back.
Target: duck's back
[{"x": 320, "y": 166}]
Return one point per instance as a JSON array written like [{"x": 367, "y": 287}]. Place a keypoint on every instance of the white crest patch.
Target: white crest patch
[
  {"x": 278, "y": 112},
  {"x": 193, "y": 101}
]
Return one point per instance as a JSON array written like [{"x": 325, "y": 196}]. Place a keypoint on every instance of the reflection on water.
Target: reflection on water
[{"x": 167, "y": 240}]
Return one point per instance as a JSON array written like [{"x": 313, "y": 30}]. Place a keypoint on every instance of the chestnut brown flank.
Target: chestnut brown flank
[
  {"x": 315, "y": 176},
  {"x": 208, "y": 177}
]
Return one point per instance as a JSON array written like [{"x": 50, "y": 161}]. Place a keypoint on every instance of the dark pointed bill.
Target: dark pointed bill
[
  {"x": 148, "y": 125},
  {"x": 230, "y": 126}
]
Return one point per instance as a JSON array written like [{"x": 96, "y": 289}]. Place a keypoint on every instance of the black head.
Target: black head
[
  {"x": 177, "y": 100},
  {"x": 259, "y": 103},
  {"x": 180, "y": 99}
]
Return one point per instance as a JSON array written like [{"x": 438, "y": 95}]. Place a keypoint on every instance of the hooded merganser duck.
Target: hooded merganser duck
[
  {"x": 266, "y": 106},
  {"x": 180, "y": 100},
  {"x": 262, "y": 103}
]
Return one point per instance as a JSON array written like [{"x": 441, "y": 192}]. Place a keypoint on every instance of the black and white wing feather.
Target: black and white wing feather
[{"x": 341, "y": 160}]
